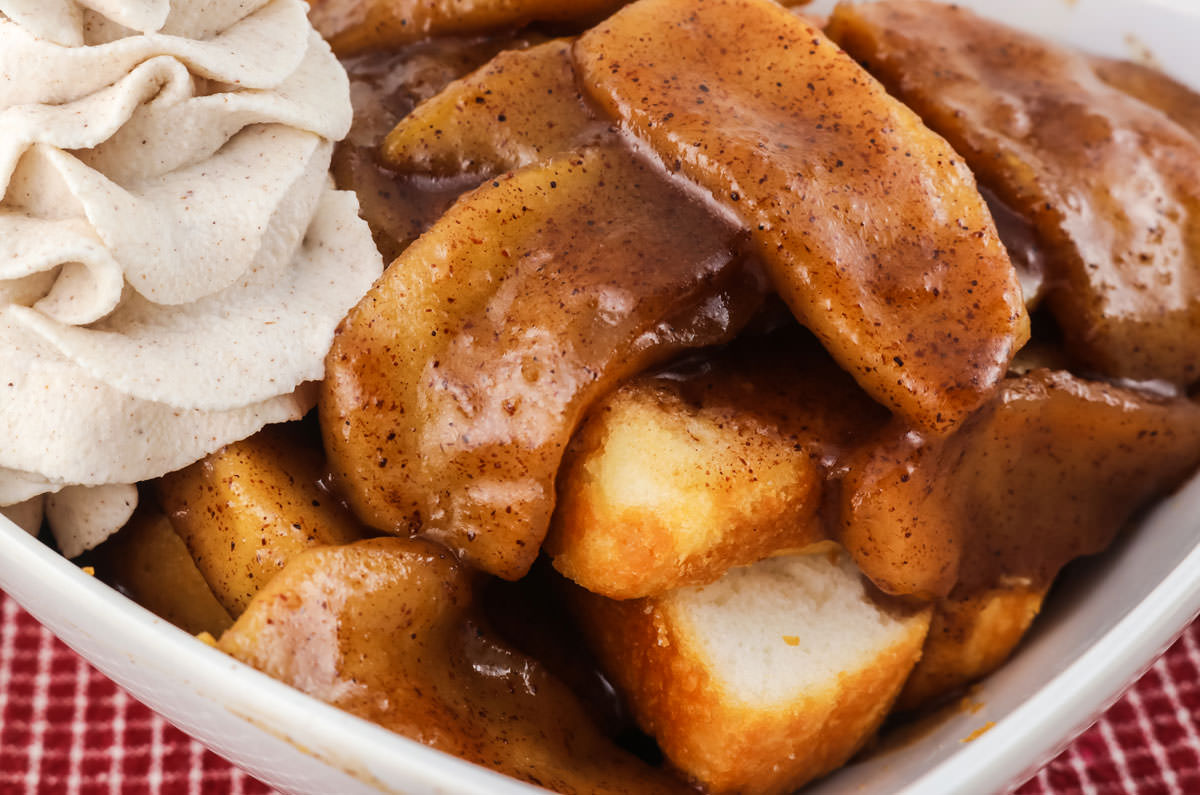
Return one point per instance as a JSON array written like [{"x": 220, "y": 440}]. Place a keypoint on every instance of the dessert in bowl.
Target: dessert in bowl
[{"x": 461, "y": 439}]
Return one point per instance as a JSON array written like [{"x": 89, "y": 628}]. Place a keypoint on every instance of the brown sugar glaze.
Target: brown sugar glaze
[
  {"x": 869, "y": 225},
  {"x": 400, "y": 207},
  {"x": 1024, "y": 245},
  {"x": 390, "y": 629},
  {"x": 355, "y": 26},
  {"x": 387, "y": 85},
  {"x": 1110, "y": 181},
  {"x": 384, "y": 87},
  {"x": 453, "y": 388},
  {"x": 538, "y": 290}
]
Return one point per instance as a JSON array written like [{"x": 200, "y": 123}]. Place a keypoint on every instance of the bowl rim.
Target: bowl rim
[
  {"x": 1025, "y": 739},
  {"x": 354, "y": 745}
]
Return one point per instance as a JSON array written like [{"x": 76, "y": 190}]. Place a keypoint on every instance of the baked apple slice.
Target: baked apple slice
[
  {"x": 454, "y": 386},
  {"x": 870, "y": 225},
  {"x": 969, "y": 638},
  {"x": 389, "y": 630},
  {"x": 1049, "y": 471},
  {"x": 522, "y": 106},
  {"x": 147, "y": 561},
  {"x": 250, "y": 507},
  {"x": 1110, "y": 183}
]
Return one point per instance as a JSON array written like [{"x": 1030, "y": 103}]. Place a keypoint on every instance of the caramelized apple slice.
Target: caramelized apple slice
[
  {"x": 968, "y": 639},
  {"x": 1049, "y": 471},
  {"x": 147, "y": 561},
  {"x": 519, "y": 108},
  {"x": 1111, "y": 184},
  {"x": 522, "y": 106},
  {"x": 357, "y": 25},
  {"x": 1180, "y": 103},
  {"x": 384, "y": 88},
  {"x": 454, "y": 386},
  {"x": 386, "y": 629},
  {"x": 871, "y": 227},
  {"x": 713, "y": 463},
  {"x": 247, "y": 509}
]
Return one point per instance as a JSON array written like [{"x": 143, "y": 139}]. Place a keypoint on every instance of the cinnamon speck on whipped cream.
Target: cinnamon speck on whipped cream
[{"x": 173, "y": 256}]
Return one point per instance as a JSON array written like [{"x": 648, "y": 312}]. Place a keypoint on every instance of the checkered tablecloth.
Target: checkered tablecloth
[{"x": 64, "y": 728}]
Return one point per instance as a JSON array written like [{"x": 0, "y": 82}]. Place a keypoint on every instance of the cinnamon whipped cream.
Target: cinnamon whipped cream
[{"x": 173, "y": 257}]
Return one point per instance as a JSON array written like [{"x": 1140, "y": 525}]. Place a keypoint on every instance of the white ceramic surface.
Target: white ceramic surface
[{"x": 1104, "y": 624}]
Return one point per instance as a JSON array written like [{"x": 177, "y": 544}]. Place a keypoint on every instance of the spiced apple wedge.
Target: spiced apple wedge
[
  {"x": 1050, "y": 470},
  {"x": 454, "y": 386},
  {"x": 392, "y": 630},
  {"x": 520, "y": 107},
  {"x": 1110, "y": 183},
  {"x": 869, "y": 224}
]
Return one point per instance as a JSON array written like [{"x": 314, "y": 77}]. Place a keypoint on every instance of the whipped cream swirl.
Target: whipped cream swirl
[{"x": 173, "y": 257}]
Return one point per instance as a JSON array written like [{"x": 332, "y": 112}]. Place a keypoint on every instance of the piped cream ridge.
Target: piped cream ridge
[{"x": 173, "y": 256}]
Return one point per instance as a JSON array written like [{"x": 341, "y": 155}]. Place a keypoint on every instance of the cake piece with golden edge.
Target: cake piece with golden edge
[
  {"x": 453, "y": 387},
  {"x": 1050, "y": 470},
  {"x": 870, "y": 226},
  {"x": 148, "y": 562},
  {"x": 772, "y": 676},
  {"x": 658, "y": 493},
  {"x": 248, "y": 508},
  {"x": 386, "y": 629},
  {"x": 968, "y": 639},
  {"x": 521, "y": 107},
  {"x": 716, "y": 462},
  {"x": 1111, "y": 184},
  {"x": 355, "y": 25}
]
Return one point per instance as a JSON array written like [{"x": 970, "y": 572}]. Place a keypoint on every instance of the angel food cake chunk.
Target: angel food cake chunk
[{"x": 173, "y": 256}]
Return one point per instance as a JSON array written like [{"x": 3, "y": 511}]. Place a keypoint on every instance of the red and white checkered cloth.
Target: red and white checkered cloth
[{"x": 64, "y": 728}]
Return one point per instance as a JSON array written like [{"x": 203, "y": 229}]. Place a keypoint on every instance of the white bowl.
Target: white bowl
[{"x": 1102, "y": 627}]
